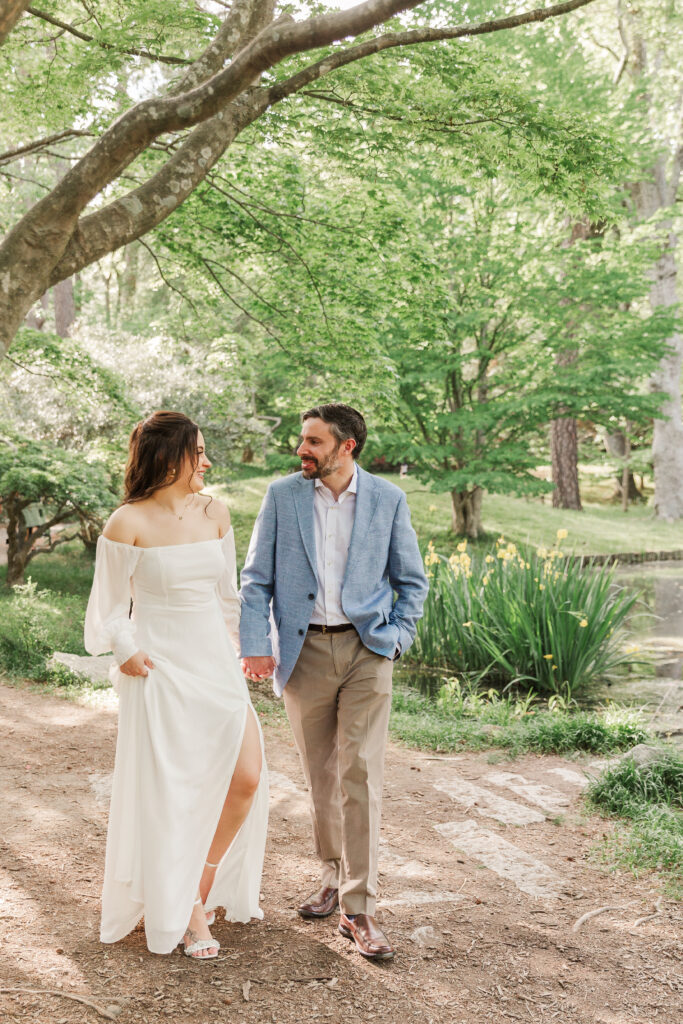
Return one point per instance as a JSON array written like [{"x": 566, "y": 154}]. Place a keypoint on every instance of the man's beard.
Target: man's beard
[{"x": 322, "y": 469}]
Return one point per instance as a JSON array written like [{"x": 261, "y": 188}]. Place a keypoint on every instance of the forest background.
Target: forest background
[{"x": 472, "y": 238}]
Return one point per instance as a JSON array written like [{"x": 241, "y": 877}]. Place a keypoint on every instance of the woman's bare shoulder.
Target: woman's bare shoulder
[
  {"x": 123, "y": 524},
  {"x": 218, "y": 511}
]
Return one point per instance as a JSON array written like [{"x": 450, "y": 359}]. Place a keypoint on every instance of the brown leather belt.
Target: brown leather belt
[{"x": 316, "y": 627}]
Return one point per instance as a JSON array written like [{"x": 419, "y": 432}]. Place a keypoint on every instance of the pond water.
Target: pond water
[{"x": 656, "y": 624}]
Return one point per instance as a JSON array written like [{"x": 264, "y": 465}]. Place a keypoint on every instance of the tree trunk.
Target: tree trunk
[
  {"x": 128, "y": 282},
  {"x": 667, "y": 442},
  {"x": 466, "y": 512},
  {"x": 626, "y": 475},
  {"x": 634, "y": 492},
  {"x": 89, "y": 531},
  {"x": 19, "y": 544},
  {"x": 564, "y": 452},
  {"x": 659, "y": 191},
  {"x": 35, "y": 318},
  {"x": 65, "y": 307}
]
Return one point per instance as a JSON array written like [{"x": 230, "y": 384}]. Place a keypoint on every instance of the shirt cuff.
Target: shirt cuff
[{"x": 123, "y": 648}]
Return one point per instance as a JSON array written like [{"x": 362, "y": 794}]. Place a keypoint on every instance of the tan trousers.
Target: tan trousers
[{"x": 338, "y": 700}]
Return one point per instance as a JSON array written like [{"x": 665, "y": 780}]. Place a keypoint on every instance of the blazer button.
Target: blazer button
[
  {"x": 311, "y": 597},
  {"x": 301, "y": 632}
]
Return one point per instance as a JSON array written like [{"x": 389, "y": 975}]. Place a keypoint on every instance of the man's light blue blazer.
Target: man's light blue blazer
[{"x": 279, "y": 582}]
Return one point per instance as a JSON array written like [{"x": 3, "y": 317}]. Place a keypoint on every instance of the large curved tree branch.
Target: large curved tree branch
[
  {"x": 245, "y": 20},
  {"x": 143, "y": 209},
  {"x": 412, "y": 38},
  {"x": 10, "y": 12},
  {"x": 49, "y": 242},
  {"x": 38, "y": 241}
]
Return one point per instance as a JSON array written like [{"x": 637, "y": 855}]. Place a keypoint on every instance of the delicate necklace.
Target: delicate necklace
[{"x": 178, "y": 515}]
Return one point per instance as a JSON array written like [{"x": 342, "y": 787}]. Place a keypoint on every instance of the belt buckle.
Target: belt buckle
[{"x": 324, "y": 629}]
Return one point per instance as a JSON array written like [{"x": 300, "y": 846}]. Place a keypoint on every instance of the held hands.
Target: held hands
[
  {"x": 137, "y": 665},
  {"x": 258, "y": 668}
]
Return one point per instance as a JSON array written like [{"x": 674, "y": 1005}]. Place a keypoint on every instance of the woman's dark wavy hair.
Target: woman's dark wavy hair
[{"x": 157, "y": 449}]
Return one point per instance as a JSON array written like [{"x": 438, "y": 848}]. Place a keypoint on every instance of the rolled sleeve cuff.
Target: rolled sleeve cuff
[
  {"x": 123, "y": 648},
  {"x": 254, "y": 649}
]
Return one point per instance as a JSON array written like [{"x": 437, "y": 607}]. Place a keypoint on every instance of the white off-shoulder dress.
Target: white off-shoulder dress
[{"x": 180, "y": 733}]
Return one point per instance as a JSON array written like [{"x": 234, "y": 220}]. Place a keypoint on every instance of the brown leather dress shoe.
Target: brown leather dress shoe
[
  {"x": 320, "y": 904},
  {"x": 370, "y": 940}
]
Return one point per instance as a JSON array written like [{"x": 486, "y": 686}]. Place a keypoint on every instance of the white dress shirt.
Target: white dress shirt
[{"x": 333, "y": 521}]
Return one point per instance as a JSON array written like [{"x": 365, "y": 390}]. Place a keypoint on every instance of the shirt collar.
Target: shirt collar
[{"x": 351, "y": 489}]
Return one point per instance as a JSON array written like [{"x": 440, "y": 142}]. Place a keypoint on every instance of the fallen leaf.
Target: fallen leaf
[{"x": 246, "y": 989}]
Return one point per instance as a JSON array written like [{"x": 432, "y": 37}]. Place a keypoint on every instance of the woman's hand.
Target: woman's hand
[
  {"x": 258, "y": 668},
  {"x": 137, "y": 665}
]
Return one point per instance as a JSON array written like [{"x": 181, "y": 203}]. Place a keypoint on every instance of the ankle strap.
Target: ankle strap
[{"x": 208, "y": 864}]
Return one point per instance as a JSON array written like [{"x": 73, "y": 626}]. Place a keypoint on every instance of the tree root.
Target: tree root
[
  {"x": 107, "y": 1014},
  {"x": 649, "y": 917},
  {"x": 591, "y": 913}
]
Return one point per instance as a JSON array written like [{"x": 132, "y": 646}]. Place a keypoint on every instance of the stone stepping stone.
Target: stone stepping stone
[
  {"x": 96, "y": 669},
  {"x": 417, "y": 898},
  {"x": 405, "y": 866},
  {"x": 486, "y": 803},
  {"x": 529, "y": 875},
  {"x": 550, "y": 800},
  {"x": 569, "y": 775}
]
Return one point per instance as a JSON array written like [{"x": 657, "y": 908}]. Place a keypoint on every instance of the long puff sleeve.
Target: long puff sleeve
[
  {"x": 107, "y": 625},
  {"x": 227, "y": 590}
]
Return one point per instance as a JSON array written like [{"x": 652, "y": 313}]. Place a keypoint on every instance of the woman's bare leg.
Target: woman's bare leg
[{"x": 243, "y": 786}]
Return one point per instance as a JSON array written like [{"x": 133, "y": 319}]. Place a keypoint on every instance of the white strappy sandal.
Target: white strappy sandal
[{"x": 197, "y": 947}]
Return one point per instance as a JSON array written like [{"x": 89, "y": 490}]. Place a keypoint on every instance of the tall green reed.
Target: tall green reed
[{"x": 543, "y": 619}]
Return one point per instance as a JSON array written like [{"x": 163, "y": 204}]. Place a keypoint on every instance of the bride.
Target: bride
[{"x": 189, "y": 805}]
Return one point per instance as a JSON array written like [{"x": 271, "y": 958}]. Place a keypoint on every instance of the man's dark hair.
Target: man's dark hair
[{"x": 343, "y": 421}]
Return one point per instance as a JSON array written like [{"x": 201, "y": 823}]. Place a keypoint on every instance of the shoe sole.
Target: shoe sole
[
  {"x": 368, "y": 956},
  {"x": 312, "y": 915}
]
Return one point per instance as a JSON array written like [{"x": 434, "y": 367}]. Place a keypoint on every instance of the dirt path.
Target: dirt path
[{"x": 480, "y": 908}]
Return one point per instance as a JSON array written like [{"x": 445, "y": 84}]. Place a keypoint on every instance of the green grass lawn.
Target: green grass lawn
[
  {"x": 602, "y": 528},
  {"x": 66, "y": 574}
]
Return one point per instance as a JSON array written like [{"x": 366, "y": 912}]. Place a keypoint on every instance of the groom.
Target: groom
[{"x": 334, "y": 565}]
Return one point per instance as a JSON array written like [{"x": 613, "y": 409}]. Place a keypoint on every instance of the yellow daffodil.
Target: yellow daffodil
[
  {"x": 548, "y": 657},
  {"x": 431, "y": 558},
  {"x": 561, "y": 534},
  {"x": 583, "y": 623}
]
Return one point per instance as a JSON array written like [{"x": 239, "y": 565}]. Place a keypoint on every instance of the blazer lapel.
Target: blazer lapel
[
  {"x": 367, "y": 498},
  {"x": 303, "y": 502}
]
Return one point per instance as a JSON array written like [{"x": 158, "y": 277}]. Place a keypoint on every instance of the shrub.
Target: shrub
[
  {"x": 541, "y": 619},
  {"x": 623, "y": 788},
  {"x": 464, "y": 716},
  {"x": 24, "y": 633},
  {"x": 650, "y": 797},
  {"x": 33, "y": 624}
]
